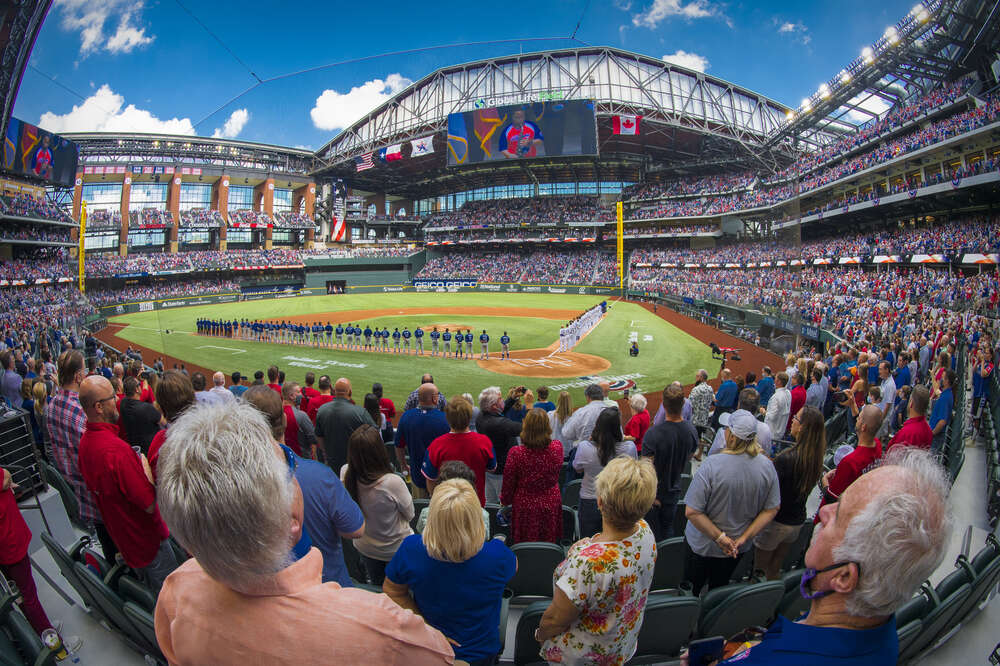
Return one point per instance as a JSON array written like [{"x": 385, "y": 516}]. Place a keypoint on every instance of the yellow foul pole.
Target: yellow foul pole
[
  {"x": 620, "y": 249},
  {"x": 80, "y": 252}
]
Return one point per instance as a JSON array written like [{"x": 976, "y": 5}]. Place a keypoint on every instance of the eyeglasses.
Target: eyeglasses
[{"x": 113, "y": 396}]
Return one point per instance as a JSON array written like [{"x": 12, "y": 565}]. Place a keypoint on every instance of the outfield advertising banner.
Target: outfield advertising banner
[{"x": 522, "y": 131}]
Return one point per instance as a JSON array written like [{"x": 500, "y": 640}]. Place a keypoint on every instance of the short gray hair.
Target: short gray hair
[
  {"x": 899, "y": 538},
  {"x": 638, "y": 402},
  {"x": 749, "y": 400},
  {"x": 593, "y": 392},
  {"x": 225, "y": 494},
  {"x": 488, "y": 398},
  {"x": 702, "y": 375}
]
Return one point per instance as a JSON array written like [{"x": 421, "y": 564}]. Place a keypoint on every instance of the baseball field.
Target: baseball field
[{"x": 531, "y": 320}]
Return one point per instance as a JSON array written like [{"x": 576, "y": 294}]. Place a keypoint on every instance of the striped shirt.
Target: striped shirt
[{"x": 66, "y": 421}]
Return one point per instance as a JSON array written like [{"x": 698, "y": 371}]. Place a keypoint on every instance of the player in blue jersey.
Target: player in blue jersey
[
  {"x": 446, "y": 339},
  {"x": 484, "y": 345},
  {"x": 329, "y": 334},
  {"x": 385, "y": 338},
  {"x": 368, "y": 338},
  {"x": 395, "y": 340},
  {"x": 339, "y": 336},
  {"x": 406, "y": 340},
  {"x": 418, "y": 341},
  {"x": 505, "y": 346},
  {"x": 458, "y": 344},
  {"x": 468, "y": 343},
  {"x": 435, "y": 336}
]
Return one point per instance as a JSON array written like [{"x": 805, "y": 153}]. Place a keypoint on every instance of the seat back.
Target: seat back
[
  {"x": 66, "y": 494},
  {"x": 950, "y": 594},
  {"x": 495, "y": 526},
  {"x": 535, "y": 564},
  {"x": 570, "y": 528},
  {"x": 571, "y": 493},
  {"x": 792, "y": 604},
  {"x": 753, "y": 605},
  {"x": 135, "y": 591},
  {"x": 910, "y": 620},
  {"x": 143, "y": 621},
  {"x": 65, "y": 563},
  {"x": 21, "y": 637},
  {"x": 526, "y": 648},
  {"x": 685, "y": 483},
  {"x": 110, "y": 603},
  {"x": 985, "y": 569},
  {"x": 667, "y": 625},
  {"x": 418, "y": 506},
  {"x": 669, "y": 570}
]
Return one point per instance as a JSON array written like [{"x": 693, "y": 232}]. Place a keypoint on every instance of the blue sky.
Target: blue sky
[{"x": 150, "y": 67}]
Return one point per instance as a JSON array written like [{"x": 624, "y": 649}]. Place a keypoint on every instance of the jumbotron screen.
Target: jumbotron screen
[
  {"x": 33, "y": 152},
  {"x": 522, "y": 131}
]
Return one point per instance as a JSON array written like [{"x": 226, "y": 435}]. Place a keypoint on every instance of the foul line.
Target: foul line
[{"x": 229, "y": 349}]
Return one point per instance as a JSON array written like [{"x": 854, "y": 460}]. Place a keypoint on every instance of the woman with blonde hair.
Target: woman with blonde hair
[
  {"x": 732, "y": 497},
  {"x": 558, "y": 418},
  {"x": 599, "y": 591},
  {"x": 531, "y": 482},
  {"x": 40, "y": 393},
  {"x": 456, "y": 576}
]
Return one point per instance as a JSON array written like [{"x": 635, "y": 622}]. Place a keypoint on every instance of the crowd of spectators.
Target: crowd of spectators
[
  {"x": 102, "y": 219},
  {"x": 202, "y": 218},
  {"x": 41, "y": 263},
  {"x": 546, "y": 210},
  {"x": 288, "y": 219},
  {"x": 680, "y": 230},
  {"x": 33, "y": 232},
  {"x": 150, "y": 218},
  {"x": 360, "y": 251},
  {"x": 246, "y": 217},
  {"x": 131, "y": 293},
  {"x": 716, "y": 184},
  {"x": 186, "y": 262},
  {"x": 486, "y": 267},
  {"x": 23, "y": 205},
  {"x": 31, "y": 308}
]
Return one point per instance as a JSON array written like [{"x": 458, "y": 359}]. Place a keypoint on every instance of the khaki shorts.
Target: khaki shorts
[{"x": 776, "y": 534}]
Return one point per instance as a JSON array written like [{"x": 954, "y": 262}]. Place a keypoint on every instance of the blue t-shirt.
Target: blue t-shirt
[
  {"x": 726, "y": 395},
  {"x": 467, "y": 609},
  {"x": 942, "y": 408},
  {"x": 903, "y": 377},
  {"x": 788, "y": 642},
  {"x": 328, "y": 511},
  {"x": 238, "y": 391},
  {"x": 416, "y": 430},
  {"x": 765, "y": 387}
]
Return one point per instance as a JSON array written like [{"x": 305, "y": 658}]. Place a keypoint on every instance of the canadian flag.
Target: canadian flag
[
  {"x": 338, "y": 230},
  {"x": 625, "y": 124}
]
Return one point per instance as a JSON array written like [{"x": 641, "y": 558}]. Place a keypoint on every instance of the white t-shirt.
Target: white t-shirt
[{"x": 588, "y": 461}]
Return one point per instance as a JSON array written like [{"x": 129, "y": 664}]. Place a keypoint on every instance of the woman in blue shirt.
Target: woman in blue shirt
[{"x": 457, "y": 580}]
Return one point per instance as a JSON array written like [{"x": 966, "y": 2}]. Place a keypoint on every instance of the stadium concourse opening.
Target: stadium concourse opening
[{"x": 546, "y": 362}]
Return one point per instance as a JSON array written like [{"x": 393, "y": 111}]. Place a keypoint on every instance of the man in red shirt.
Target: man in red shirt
[
  {"x": 915, "y": 431},
  {"x": 121, "y": 483},
  {"x": 798, "y": 397},
  {"x": 272, "y": 379},
  {"x": 864, "y": 457},
  {"x": 473, "y": 449},
  {"x": 308, "y": 391},
  {"x": 324, "y": 396}
]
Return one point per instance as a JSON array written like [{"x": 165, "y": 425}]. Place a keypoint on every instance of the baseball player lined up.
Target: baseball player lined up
[{"x": 574, "y": 330}]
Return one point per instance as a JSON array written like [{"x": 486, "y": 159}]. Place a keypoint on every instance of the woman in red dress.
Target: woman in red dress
[{"x": 531, "y": 482}]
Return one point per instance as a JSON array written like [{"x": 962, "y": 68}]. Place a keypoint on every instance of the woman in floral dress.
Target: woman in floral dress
[
  {"x": 600, "y": 589},
  {"x": 531, "y": 482}
]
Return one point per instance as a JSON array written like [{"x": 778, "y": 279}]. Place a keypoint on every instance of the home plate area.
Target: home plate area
[{"x": 546, "y": 363}]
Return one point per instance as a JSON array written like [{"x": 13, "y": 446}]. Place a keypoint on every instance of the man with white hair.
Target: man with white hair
[
  {"x": 501, "y": 431},
  {"x": 224, "y": 395},
  {"x": 241, "y": 598},
  {"x": 870, "y": 553}
]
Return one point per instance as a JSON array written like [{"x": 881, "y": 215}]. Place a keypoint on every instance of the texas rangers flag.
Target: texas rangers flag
[
  {"x": 625, "y": 124},
  {"x": 422, "y": 146}
]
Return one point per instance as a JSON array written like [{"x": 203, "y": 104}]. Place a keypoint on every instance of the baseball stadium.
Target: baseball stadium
[{"x": 660, "y": 330}]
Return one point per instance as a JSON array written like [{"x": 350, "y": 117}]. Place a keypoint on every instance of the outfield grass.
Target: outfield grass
[{"x": 667, "y": 354}]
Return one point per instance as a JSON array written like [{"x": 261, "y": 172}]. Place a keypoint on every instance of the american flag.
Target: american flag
[{"x": 364, "y": 162}]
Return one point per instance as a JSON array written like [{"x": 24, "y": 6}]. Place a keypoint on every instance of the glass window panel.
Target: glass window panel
[
  {"x": 240, "y": 197},
  {"x": 195, "y": 195},
  {"x": 148, "y": 195},
  {"x": 103, "y": 196},
  {"x": 282, "y": 200}
]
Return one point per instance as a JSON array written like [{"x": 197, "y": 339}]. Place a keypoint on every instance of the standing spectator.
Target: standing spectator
[
  {"x": 454, "y": 469},
  {"x": 701, "y": 397},
  {"x": 140, "y": 421},
  {"x": 174, "y": 394},
  {"x": 66, "y": 421},
  {"x": 864, "y": 457},
  {"x": 725, "y": 397},
  {"x": 816, "y": 393},
  {"x": 799, "y": 469},
  {"x": 600, "y": 589},
  {"x": 122, "y": 484},
  {"x": 750, "y": 404},
  {"x": 558, "y": 418},
  {"x": 272, "y": 379},
  {"x": 502, "y": 433},
  {"x": 915, "y": 431},
  {"x": 471, "y": 448},
  {"x": 579, "y": 426},
  {"x": 219, "y": 388},
  {"x": 336, "y": 420},
  {"x": 519, "y": 407},
  {"x": 413, "y": 399},
  {"x": 531, "y": 482},
  {"x": 241, "y": 598},
  {"x": 237, "y": 388},
  {"x": 765, "y": 386},
  {"x": 375, "y": 411},
  {"x": 11, "y": 380},
  {"x": 457, "y": 577},
  {"x": 543, "y": 401},
  {"x": 418, "y": 427},
  {"x": 308, "y": 391},
  {"x": 383, "y": 497},
  {"x": 943, "y": 406},
  {"x": 298, "y": 434},
  {"x": 14, "y": 563},
  {"x": 592, "y": 456},
  {"x": 201, "y": 395},
  {"x": 981, "y": 375},
  {"x": 324, "y": 396},
  {"x": 638, "y": 425},
  {"x": 669, "y": 445},
  {"x": 798, "y": 398},
  {"x": 732, "y": 497},
  {"x": 329, "y": 513},
  {"x": 388, "y": 410},
  {"x": 888, "y": 387}
]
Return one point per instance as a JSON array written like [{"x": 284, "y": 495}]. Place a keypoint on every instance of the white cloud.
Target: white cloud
[
  {"x": 870, "y": 103},
  {"x": 88, "y": 18},
  {"x": 103, "y": 112},
  {"x": 689, "y": 60},
  {"x": 797, "y": 31},
  {"x": 623, "y": 5},
  {"x": 233, "y": 125},
  {"x": 335, "y": 110},
  {"x": 662, "y": 9}
]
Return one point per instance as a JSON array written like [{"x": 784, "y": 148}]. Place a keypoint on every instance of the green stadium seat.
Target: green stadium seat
[
  {"x": 536, "y": 562},
  {"x": 732, "y": 608},
  {"x": 418, "y": 506},
  {"x": 798, "y": 550},
  {"x": 680, "y": 519},
  {"x": 352, "y": 560},
  {"x": 571, "y": 527},
  {"x": 571, "y": 493},
  {"x": 667, "y": 625},
  {"x": 66, "y": 561},
  {"x": 19, "y": 644},
  {"x": 66, "y": 494},
  {"x": 668, "y": 573},
  {"x": 526, "y": 648},
  {"x": 142, "y": 619},
  {"x": 112, "y": 606},
  {"x": 947, "y": 597},
  {"x": 792, "y": 604},
  {"x": 137, "y": 592},
  {"x": 984, "y": 571}
]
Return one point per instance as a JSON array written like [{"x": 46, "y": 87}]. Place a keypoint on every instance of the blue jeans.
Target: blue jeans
[
  {"x": 661, "y": 518},
  {"x": 590, "y": 518}
]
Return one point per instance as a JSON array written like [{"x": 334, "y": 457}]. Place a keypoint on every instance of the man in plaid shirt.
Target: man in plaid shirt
[{"x": 65, "y": 420}]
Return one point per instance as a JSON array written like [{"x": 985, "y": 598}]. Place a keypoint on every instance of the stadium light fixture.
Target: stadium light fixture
[
  {"x": 845, "y": 77},
  {"x": 806, "y": 105},
  {"x": 824, "y": 91},
  {"x": 919, "y": 12},
  {"x": 868, "y": 55},
  {"x": 892, "y": 35},
  {"x": 789, "y": 115}
]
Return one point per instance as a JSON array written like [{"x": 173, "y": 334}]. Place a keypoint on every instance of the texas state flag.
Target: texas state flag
[
  {"x": 625, "y": 124},
  {"x": 393, "y": 153}
]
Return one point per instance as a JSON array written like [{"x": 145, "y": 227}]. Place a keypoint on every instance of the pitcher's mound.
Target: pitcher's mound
[{"x": 543, "y": 363}]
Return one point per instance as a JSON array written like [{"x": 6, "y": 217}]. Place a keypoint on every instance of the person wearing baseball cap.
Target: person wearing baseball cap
[{"x": 732, "y": 497}]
